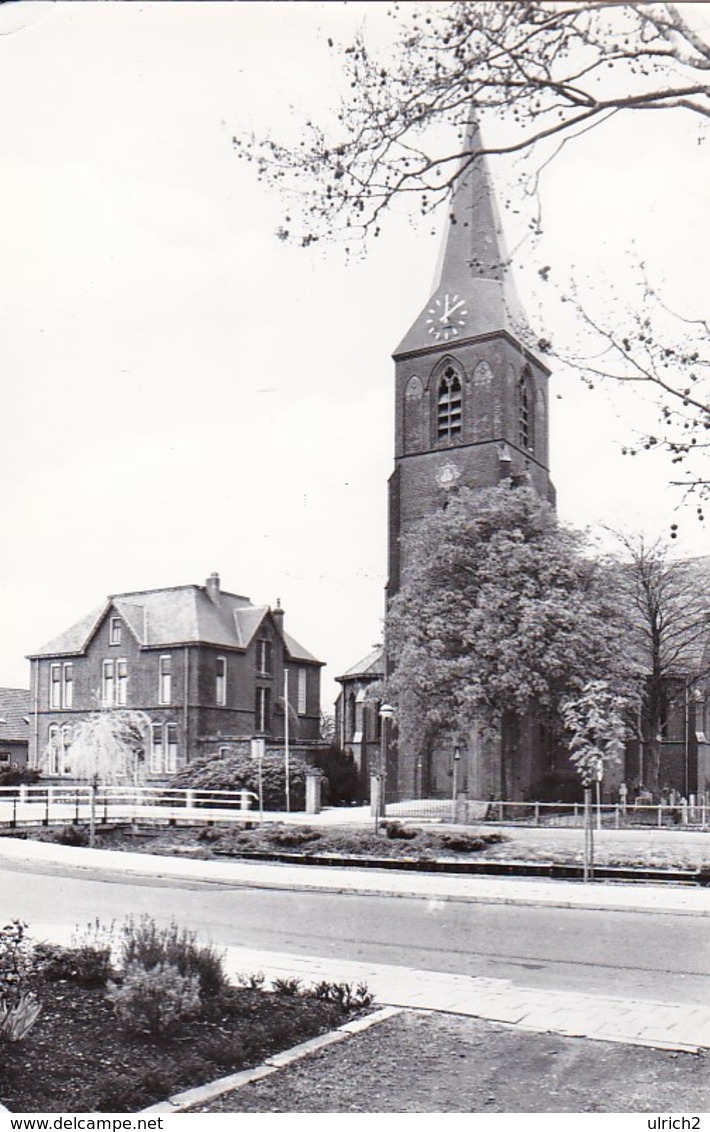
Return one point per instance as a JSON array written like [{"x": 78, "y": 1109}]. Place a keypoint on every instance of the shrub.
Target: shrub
[
  {"x": 468, "y": 842},
  {"x": 239, "y": 771},
  {"x": 343, "y": 995},
  {"x": 18, "y": 776},
  {"x": 16, "y": 962},
  {"x": 76, "y": 835},
  {"x": 343, "y": 785},
  {"x": 155, "y": 999},
  {"x": 87, "y": 966},
  {"x": 291, "y": 837},
  {"x": 288, "y": 986},
  {"x": 252, "y": 980},
  {"x": 397, "y": 832},
  {"x": 145, "y": 944},
  {"x": 209, "y": 833}
]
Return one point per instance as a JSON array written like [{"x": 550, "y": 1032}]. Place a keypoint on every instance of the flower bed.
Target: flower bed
[{"x": 115, "y": 1047}]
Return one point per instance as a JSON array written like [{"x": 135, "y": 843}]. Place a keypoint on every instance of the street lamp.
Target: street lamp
[
  {"x": 455, "y": 777},
  {"x": 386, "y": 713}
]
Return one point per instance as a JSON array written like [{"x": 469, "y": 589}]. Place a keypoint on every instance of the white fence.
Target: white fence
[{"x": 53, "y": 805}]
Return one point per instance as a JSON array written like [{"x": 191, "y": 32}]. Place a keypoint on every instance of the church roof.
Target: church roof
[
  {"x": 474, "y": 274},
  {"x": 178, "y": 615},
  {"x": 371, "y": 666}
]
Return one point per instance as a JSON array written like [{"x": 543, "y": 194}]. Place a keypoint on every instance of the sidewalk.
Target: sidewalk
[
  {"x": 662, "y": 1025},
  {"x": 657, "y": 899}
]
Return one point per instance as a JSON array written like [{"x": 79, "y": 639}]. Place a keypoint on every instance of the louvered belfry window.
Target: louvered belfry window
[{"x": 448, "y": 405}]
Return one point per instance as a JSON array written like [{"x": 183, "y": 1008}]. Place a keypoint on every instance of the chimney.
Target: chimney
[
  {"x": 278, "y": 616},
  {"x": 212, "y": 587}
]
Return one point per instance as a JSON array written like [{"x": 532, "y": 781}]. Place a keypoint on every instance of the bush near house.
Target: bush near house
[
  {"x": 342, "y": 784},
  {"x": 18, "y": 776},
  {"x": 238, "y": 770}
]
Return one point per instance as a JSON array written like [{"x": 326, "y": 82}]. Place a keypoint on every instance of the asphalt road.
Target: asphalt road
[{"x": 637, "y": 955}]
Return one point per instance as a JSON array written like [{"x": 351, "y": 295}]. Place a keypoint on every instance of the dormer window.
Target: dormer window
[
  {"x": 448, "y": 405},
  {"x": 114, "y": 631}
]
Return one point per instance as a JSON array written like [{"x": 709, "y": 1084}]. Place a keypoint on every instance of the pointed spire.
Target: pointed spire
[
  {"x": 474, "y": 262},
  {"x": 474, "y": 246}
]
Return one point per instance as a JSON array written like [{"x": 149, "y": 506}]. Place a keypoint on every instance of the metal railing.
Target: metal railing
[{"x": 553, "y": 814}]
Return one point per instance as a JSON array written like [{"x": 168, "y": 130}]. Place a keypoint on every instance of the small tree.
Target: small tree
[
  {"x": 596, "y": 720},
  {"x": 108, "y": 747}
]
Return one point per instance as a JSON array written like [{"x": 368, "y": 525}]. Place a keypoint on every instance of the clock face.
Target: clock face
[{"x": 446, "y": 318}]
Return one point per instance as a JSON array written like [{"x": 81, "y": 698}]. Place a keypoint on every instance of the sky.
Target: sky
[{"x": 185, "y": 393}]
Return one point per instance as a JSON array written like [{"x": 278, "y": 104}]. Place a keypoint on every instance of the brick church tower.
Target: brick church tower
[{"x": 471, "y": 409}]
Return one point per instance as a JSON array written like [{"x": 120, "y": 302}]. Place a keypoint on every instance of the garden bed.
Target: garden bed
[
  {"x": 394, "y": 841},
  {"x": 120, "y": 1032},
  {"x": 76, "y": 1059}
]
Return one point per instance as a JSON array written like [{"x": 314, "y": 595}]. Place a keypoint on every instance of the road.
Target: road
[{"x": 639, "y": 955}]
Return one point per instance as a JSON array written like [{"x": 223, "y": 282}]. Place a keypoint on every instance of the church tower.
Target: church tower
[
  {"x": 471, "y": 401},
  {"x": 471, "y": 409}
]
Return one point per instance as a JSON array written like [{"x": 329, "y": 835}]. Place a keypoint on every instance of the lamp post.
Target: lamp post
[
  {"x": 386, "y": 713},
  {"x": 455, "y": 779}
]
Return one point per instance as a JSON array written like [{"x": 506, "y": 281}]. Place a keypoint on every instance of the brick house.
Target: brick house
[
  {"x": 14, "y": 727},
  {"x": 206, "y": 666}
]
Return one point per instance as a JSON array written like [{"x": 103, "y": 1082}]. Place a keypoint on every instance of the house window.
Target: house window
[
  {"x": 156, "y": 748},
  {"x": 171, "y": 747},
  {"x": 448, "y": 405},
  {"x": 114, "y": 632},
  {"x": 108, "y": 672},
  {"x": 122, "y": 682},
  {"x": 263, "y": 657},
  {"x": 67, "y": 685},
  {"x": 220, "y": 690},
  {"x": 163, "y": 748},
  {"x": 165, "y": 668},
  {"x": 58, "y": 744},
  {"x": 55, "y": 686},
  {"x": 263, "y": 709},
  {"x": 61, "y": 688},
  {"x": 66, "y": 744},
  {"x": 526, "y": 419},
  {"x": 302, "y": 691},
  {"x": 4, "y": 758},
  {"x": 53, "y": 749}
]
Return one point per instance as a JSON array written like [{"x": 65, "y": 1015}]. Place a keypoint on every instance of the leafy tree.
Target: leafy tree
[
  {"x": 108, "y": 748},
  {"x": 668, "y": 604},
  {"x": 541, "y": 74},
  {"x": 500, "y": 612}
]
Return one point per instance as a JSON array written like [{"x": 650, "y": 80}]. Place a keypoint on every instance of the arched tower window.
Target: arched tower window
[
  {"x": 413, "y": 415},
  {"x": 526, "y": 411},
  {"x": 448, "y": 405}
]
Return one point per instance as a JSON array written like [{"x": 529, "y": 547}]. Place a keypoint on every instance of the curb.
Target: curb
[{"x": 200, "y": 1094}]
